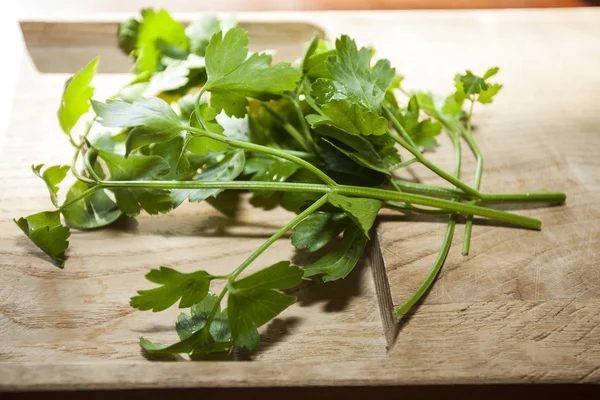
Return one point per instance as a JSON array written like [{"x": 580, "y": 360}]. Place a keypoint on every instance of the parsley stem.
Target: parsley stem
[
  {"x": 83, "y": 195},
  {"x": 263, "y": 149},
  {"x": 441, "y": 173},
  {"x": 403, "y": 164},
  {"x": 437, "y": 266},
  {"x": 399, "y": 128},
  {"x": 352, "y": 191},
  {"x": 478, "y": 172},
  {"x": 289, "y": 128},
  {"x": 446, "y": 243},
  {"x": 290, "y": 225}
]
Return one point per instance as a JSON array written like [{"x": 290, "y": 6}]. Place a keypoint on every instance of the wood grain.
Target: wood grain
[{"x": 523, "y": 307}]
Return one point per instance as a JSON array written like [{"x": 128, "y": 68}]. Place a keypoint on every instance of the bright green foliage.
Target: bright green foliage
[
  {"x": 204, "y": 115},
  {"x": 232, "y": 77},
  {"x": 255, "y": 300},
  {"x": 156, "y": 27},
  {"x": 76, "y": 96},
  {"x": 46, "y": 231},
  {"x": 52, "y": 176},
  {"x": 190, "y": 288},
  {"x": 339, "y": 262}
]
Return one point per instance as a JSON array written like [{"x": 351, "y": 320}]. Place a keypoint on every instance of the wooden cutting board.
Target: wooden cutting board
[{"x": 523, "y": 307}]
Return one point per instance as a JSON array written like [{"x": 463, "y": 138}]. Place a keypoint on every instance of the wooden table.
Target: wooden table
[{"x": 523, "y": 307}]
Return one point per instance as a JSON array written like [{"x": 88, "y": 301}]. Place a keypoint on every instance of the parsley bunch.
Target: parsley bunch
[{"x": 204, "y": 114}]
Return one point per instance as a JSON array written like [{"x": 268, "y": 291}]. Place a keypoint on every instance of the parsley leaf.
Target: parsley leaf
[
  {"x": 232, "y": 77},
  {"x": 94, "y": 211},
  {"x": 352, "y": 68},
  {"x": 487, "y": 96},
  {"x": 349, "y": 117},
  {"x": 190, "y": 288},
  {"x": 226, "y": 169},
  {"x": 219, "y": 329},
  {"x": 52, "y": 176},
  {"x": 338, "y": 263},
  {"x": 46, "y": 231},
  {"x": 254, "y": 301},
  {"x": 318, "y": 229},
  {"x": 76, "y": 96},
  {"x": 156, "y": 25},
  {"x": 138, "y": 167},
  {"x": 361, "y": 211},
  {"x": 153, "y": 119}
]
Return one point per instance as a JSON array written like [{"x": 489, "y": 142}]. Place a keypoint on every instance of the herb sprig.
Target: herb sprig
[{"x": 204, "y": 114}]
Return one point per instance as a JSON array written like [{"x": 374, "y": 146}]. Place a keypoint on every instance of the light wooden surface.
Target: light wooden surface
[{"x": 523, "y": 307}]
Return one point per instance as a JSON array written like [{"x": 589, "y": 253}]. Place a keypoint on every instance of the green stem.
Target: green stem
[
  {"x": 533, "y": 197},
  {"x": 289, "y": 128},
  {"x": 446, "y": 243},
  {"x": 437, "y": 266},
  {"x": 478, "y": 172},
  {"x": 83, "y": 195},
  {"x": 403, "y": 164},
  {"x": 74, "y": 169},
  {"x": 303, "y": 123},
  {"x": 399, "y": 128},
  {"x": 352, "y": 191},
  {"x": 264, "y": 149},
  {"x": 402, "y": 207},
  {"x": 290, "y": 225},
  {"x": 441, "y": 173}
]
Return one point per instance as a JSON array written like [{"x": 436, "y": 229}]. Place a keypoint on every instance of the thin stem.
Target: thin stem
[
  {"x": 352, "y": 191},
  {"x": 393, "y": 205},
  {"x": 441, "y": 173},
  {"x": 478, "y": 172},
  {"x": 289, "y": 128},
  {"x": 197, "y": 106},
  {"x": 533, "y": 197},
  {"x": 446, "y": 243},
  {"x": 74, "y": 169},
  {"x": 403, "y": 164},
  {"x": 437, "y": 266},
  {"x": 303, "y": 123},
  {"x": 430, "y": 189},
  {"x": 81, "y": 196},
  {"x": 290, "y": 225},
  {"x": 399, "y": 128},
  {"x": 264, "y": 149},
  {"x": 89, "y": 167}
]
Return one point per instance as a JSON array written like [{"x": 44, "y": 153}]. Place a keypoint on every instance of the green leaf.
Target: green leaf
[
  {"x": 356, "y": 148},
  {"x": 52, "y": 176},
  {"x": 94, "y": 211},
  {"x": 46, "y": 232},
  {"x": 318, "y": 229},
  {"x": 76, "y": 96},
  {"x": 201, "y": 342},
  {"x": 472, "y": 84},
  {"x": 253, "y": 301},
  {"x": 219, "y": 329},
  {"x": 190, "y": 288},
  {"x": 138, "y": 167},
  {"x": 156, "y": 25},
  {"x": 352, "y": 68},
  {"x": 487, "y": 96},
  {"x": 350, "y": 118},
  {"x": 362, "y": 211},
  {"x": 154, "y": 120},
  {"x": 338, "y": 263},
  {"x": 281, "y": 275},
  {"x": 490, "y": 72},
  {"x": 423, "y": 132},
  {"x": 201, "y": 145},
  {"x": 226, "y": 169},
  {"x": 232, "y": 77},
  {"x": 269, "y": 169},
  {"x": 128, "y": 34}
]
